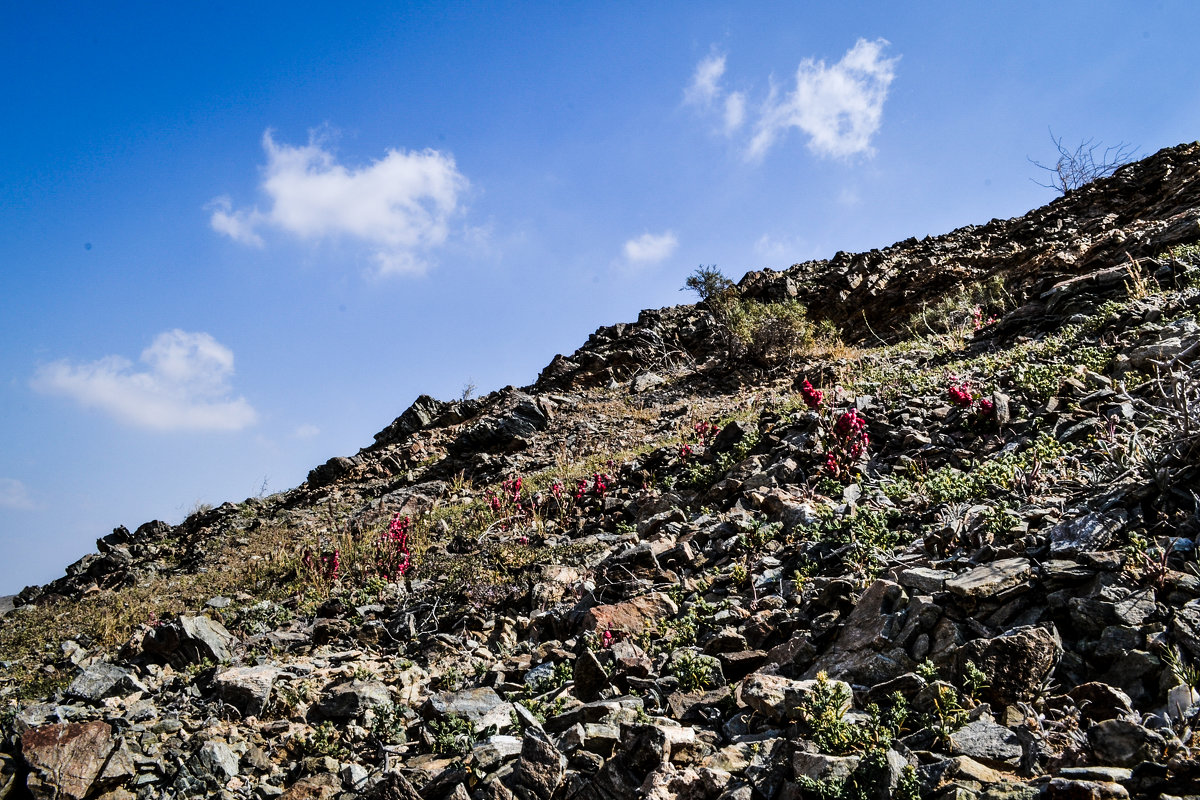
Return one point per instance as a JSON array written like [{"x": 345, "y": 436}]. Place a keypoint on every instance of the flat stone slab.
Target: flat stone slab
[
  {"x": 925, "y": 580},
  {"x": 991, "y": 579},
  {"x": 988, "y": 742}
]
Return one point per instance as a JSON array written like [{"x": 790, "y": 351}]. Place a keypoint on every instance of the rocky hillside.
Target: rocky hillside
[{"x": 945, "y": 548}]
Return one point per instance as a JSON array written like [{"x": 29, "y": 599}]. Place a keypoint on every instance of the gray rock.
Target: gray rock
[
  {"x": 733, "y": 433},
  {"x": 988, "y": 742},
  {"x": 104, "y": 680},
  {"x": 511, "y": 426},
  {"x": 1067, "y": 789},
  {"x": 1122, "y": 743},
  {"x": 482, "y": 706},
  {"x": 540, "y": 768},
  {"x": 354, "y": 777},
  {"x": 777, "y": 697},
  {"x": 590, "y": 677},
  {"x": 864, "y": 652},
  {"x": 1099, "y": 701},
  {"x": 1093, "y": 531},
  {"x": 346, "y": 701},
  {"x": 1016, "y": 663},
  {"x": 190, "y": 640},
  {"x": 333, "y": 469},
  {"x": 1187, "y": 627},
  {"x": 821, "y": 767},
  {"x": 647, "y": 381},
  {"x": 925, "y": 580},
  {"x": 217, "y": 760},
  {"x": 991, "y": 579},
  {"x": 246, "y": 688},
  {"x": 495, "y": 751}
]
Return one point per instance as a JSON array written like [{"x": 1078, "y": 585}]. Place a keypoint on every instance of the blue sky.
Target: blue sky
[{"x": 235, "y": 242}]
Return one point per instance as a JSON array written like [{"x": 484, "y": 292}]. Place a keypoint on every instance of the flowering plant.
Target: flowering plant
[
  {"x": 960, "y": 394},
  {"x": 977, "y": 319},
  {"x": 324, "y": 566},
  {"x": 812, "y": 397},
  {"x": 392, "y": 556},
  {"x": 848, "y": 442},
  {"x": 704, "y": 430}
]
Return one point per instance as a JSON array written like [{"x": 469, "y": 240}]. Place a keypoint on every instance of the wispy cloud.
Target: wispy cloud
[
  {"x": 400, "y": 206},
  {"x": 184, "y": 385},
  {"x": 839, "y": 107},
  {"x": 705, "y": 85},
  {"x": 735, "y": 112},
  {"x": 306, "y": 431},
  {"x": 14, "y": 495},
  {"x": 650, "y": 248}
]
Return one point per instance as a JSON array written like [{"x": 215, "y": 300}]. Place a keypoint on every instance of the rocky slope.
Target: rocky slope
[{"x": 960, "y": 562}]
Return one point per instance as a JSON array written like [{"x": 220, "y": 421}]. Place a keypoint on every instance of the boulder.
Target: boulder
[
  {"x": 190, "y": 640},
  {"x": 1090, "y": 532},
  {"x": 348, "y": 700},
  {"x": 246, "y": 688},
  {"x": 631, "y": 616},
  {"x": 539, "y": 770},
  {"x": 481, "y": 706},
  {"x": 987, "y": 742},
  {"x": 1017, "y": 663},
  {"x": 777, "y": 698},
  {"x": 70, "y": 760},
  {"x": 102, "y": 680},
  {"x": 863, "y": 651}
]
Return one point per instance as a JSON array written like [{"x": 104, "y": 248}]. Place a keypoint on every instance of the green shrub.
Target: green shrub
[
  {"x": 707, "y": 282},
  {"x": 765, "y": 335}
]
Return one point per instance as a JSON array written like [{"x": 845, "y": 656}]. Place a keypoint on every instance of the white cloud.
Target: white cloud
[
  {"x": 184, "y": 386},
  {"x": 839, "y": 107},
  {"x": 735, "y": 112},
  {"x": 237, "y": 225},
  {"x": 14, "y": 495},
  {"x": 650, "y": 248},
  {"x": 306, "y": 431},
  {"x": 399, "y": 206},
  {"x": 704, "y": 87}
]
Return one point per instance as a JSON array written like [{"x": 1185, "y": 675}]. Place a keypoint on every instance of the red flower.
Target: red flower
[{"x": 812, "y": 397}]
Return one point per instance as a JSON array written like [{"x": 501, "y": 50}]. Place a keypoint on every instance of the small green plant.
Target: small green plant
[
  {"x": 948, "y": 714},
  {"x": 693, "y": 671},
  {"x": 928, "y": 671},
  {"x": 324, "y": 740},
  {"x": 909, "y": 785},
  {"x": 1183, "y": 671},
  {"x": 822, "y": 714},
  {"x": 452, "y": 736},
  {"x": 386, "y": 725},
  {"x": 974, "y": 680}
]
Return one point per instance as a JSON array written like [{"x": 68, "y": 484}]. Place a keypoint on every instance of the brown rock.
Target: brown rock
[
  {"x": 862, "y": 652},
  {"x": 66, "y": 761},
  {"x": 1017, "y": 663},
  {"x": 630, "y": 616}
]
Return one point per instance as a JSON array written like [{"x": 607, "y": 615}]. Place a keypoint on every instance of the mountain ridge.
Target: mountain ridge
[{"x": 945, "y": 548}]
